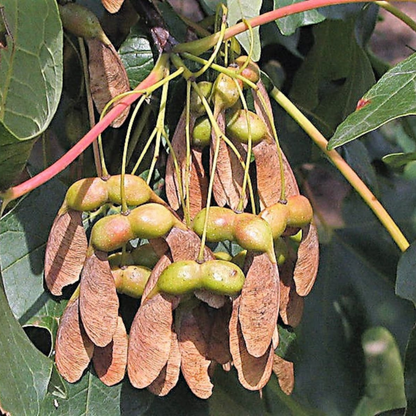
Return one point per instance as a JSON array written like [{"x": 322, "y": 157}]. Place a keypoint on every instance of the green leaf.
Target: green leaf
[
  {"x": 90, "y": 397},
  {"x": 335, "y": 73},
  {"x": 30, "y": 80},
  {"x": 384, "y": 387},
  {"x": 289, "y": 24},
  {"x": 405, "y": 283},
  {"x": 397, "y": 160},
  {"x": 23, "y": 235},
  {"x": 24, "y": 371},
  {"x": 136, "y": 55},
  {"x": 246, "y": 9},
  {"x": 393, "y": 96},
  {"x": 410, "y": 374}
]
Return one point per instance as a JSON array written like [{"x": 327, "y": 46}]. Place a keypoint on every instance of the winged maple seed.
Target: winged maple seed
[
  {"x": 112, "y": 6},
  {"x": 65, "y": 250}
]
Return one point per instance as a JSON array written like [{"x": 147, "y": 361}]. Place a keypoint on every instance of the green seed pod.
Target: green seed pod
[
  {"x": 82, "y": 22},
  {"x": 251, "y": 71},
  {"x": 225, "y": 92},
  {"x": 87, "y": 194},
  {"x": 280, "y": 250},
  {"x": 254, "y": 233},
  {"x": 201, "y": 134},
  {"x": 138, "y": 192},
  {"x": 276, "y": 215},
  {"x": 197, "y": 107},
  {"x": 145, "y": 255},
  {"x": 111, "y": 232},
  {"x": 131, "y": 280},
  {"x": 151, "y": 221},
  {"x": 220, "y": 225},
  {"x": 222, "y": 277},
  {"x": 180, "y": 278},
  {"x": 237, "y": 127},
  {"x": 300, "y": 211}
]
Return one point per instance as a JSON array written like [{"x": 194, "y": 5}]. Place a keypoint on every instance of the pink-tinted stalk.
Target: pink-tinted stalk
[{"x": 57, "y": 167}]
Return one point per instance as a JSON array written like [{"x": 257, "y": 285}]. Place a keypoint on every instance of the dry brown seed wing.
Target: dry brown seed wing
[
  {"x": 259, "y": 303},
  {"x": 267, "y": 159},
  {"x": 73, "y": 348},
  {"x": 98, "y": 299},
  {"x": 229, "y": 174},
  {"x": 285, "y": 374},
  {"x": 108, "y": 77},
  {"x": 291, "y": 304},
  {"x": 161, "y": 265},
  {"x": 179, "y": 148},
  {"x": 306, "y": 267},
  {"x": 150, "y": 340},
  {"x": 184, "y": 245},
  {"x": 213, "y": 324},
  {"x": 253, "y": 372},
  {"x": 112, "y": 6},
  {"x": 194, "y": 349},
  {"x": 198, "y": 184},
  {"x": 110, "y": 361},
  {"x": 168, "y": 377},
  {"x": 65, "y": 251},
  {"x": 211, "y": 299}
]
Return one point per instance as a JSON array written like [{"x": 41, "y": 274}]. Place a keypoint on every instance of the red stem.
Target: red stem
[{"x": 57, "y": 167}]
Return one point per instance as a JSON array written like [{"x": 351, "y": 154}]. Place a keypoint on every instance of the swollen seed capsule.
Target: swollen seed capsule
[
  {"x": 151, "y": 221},
  {"x": 251, "y": 71},
  {"x": 180, "y": 278},
  {"x": 87, "y": 194},
  {"x": 201, "y": 134},
  {"x": 276, "y": 215},
  {"x": 222, "y": 277},
  {"x": 111, "y": 232},
  {"x": 225, "y": 92},
  {"x": 145, "y": 255},
  {"x": 300, "y": 211},
  {"x": 131, "y": 280},
  {"x": 220, "y": 225},
  {"x": 82, "y": 22},
  {"x": 197, "y": 107},
  {"x": 254, "y": 233},
  {"x": 237, "y": 127},
  {"x": 137, "y": 191}
]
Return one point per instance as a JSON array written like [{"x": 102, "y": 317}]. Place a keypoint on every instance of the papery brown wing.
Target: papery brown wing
[
  {"x": 194, "y": 362},
  {"x": 198, "y": 184},
  {"x": 212, "y": 299},
  {"x": 253, "y": 372},
  {"x": 65, "y": 251},
  {"x": 213, "y": 324},
  {"x": 168, "y": 377},
  {"x": 110, "y": 361},
  {"x": 161, "y": 265},
  {"x": 178, "y": 142},
  {"x": 306, "y": 267},
  {"x": 285, "y": 374},
  {"x": 185, "y": 244},
  {"x": 267, "y": 158},
  {"x": 98, "y": 303},
  {"x": 150, "y": 340},
  {"x": 291, "y": 304},
  {"x": 259, "y": 303},
  {"x": 229, "y": 173},
  {"x": 112, "y": 6},
  {"x": 73, "y": 348},
  {"x": 108, "y": 77}
]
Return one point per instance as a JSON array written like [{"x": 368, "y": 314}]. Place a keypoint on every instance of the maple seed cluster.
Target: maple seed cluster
[{"x": 199, "y": 308}]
